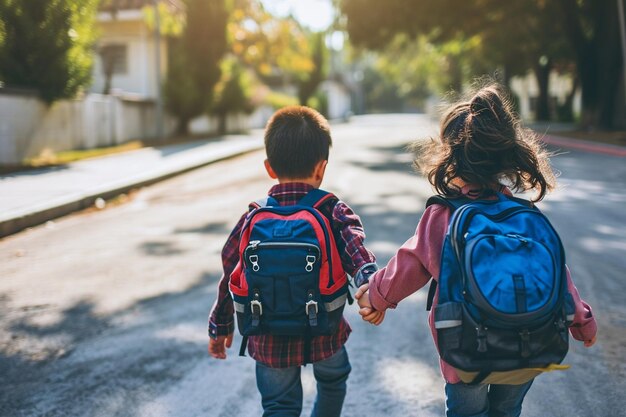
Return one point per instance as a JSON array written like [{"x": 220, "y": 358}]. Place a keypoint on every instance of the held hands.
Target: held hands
[
  {"x": 366, "y": 310},
  {"x": 217, "y": 347}
]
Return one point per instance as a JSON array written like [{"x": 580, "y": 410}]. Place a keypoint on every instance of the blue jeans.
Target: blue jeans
[
  {"x": 464, "y": 400},
  {"x": 281, "y": 388}
]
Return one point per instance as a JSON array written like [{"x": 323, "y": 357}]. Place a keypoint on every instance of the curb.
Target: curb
[
  {"x": 584, "y": 145},
  {"x": 16, "y": 222}
]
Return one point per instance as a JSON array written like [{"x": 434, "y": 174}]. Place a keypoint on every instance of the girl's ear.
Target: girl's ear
[{"x": 269, "y": 170}]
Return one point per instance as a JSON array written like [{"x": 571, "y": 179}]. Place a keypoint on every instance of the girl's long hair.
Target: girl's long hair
[{"x": 482, "y": 143}]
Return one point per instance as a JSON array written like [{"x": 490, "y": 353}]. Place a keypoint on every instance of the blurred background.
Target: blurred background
[
  {"x": 131, "y": 143},
  {"x": 82, "y": 74}
]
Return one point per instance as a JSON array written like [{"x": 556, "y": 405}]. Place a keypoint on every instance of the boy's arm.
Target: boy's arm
[
  {"x": 221, "y": 318},
  {"x": 356, "y": 259}
]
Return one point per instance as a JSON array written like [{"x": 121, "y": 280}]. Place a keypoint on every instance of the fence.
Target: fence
[{"x": 28, "y": 127}]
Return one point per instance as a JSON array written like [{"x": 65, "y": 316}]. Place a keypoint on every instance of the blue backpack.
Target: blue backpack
[
  {"x": 503, "y": 307},
  {"x": 289, "y": 280}
]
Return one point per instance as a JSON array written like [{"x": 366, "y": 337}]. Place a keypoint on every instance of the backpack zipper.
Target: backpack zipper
[{"x": 255, "y": 245}]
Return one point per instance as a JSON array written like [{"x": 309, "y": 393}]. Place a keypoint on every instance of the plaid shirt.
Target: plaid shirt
[{"x": 357, "y": 261}]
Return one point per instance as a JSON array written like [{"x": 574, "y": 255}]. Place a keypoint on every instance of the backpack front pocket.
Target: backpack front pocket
[{"x": 283, "y": 293}]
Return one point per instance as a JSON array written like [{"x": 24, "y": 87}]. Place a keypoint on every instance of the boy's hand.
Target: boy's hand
[
  {"x": 367, "y": 312},
  {"x": 589, "y": 343},
  {"x": 217, "y": 347}
]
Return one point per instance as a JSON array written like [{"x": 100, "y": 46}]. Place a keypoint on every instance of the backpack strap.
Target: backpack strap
[
  {"x": 267, "y": 201},
  {"x": 521, "y": 201},
  {"x": 244, "y": 345},
  {"x": 452, "y": 204},
  {"x": 315, "y": 198}
]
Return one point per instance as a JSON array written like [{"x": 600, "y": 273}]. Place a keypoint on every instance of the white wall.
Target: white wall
[
  {"x": 17, "y": 113},
  {"x": 339, "y": 100},
  {"x": 28, "y": 127}
]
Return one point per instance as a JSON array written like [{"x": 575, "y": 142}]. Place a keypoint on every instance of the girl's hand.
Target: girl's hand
[{"x": 589, "y": 343}]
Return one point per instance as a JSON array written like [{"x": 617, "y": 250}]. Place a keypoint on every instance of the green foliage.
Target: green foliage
[
  {"x": 514, "y": 37},
  {"x": 309, "y": 81},
  {"x": 319, "y": 102},
  {"x": 234, "y": 91},
  {"x": 278, "y": 100},
  {"x": 171, "y": 22},
  {"x": 277, "y": 49},
  {"x": 381, "y": 93},
  {"x": 46, "y": 45},
  {"x": 194, "y": 61}
]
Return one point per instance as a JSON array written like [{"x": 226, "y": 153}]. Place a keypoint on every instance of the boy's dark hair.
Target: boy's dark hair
[
  {"x": 296, "y": 139},
  {"x": 482, "y": 143}
]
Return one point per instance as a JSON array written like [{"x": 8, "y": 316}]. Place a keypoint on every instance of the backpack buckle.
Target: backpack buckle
[
  {"x": 311, "y": 304},
  {"x": 256, "y": 309},
  {"x": 562, "y": 327},
  {"x": 310, "y": 261},
  {"x": 254, "y": 260},
  {"x": 311, "y": 310},
  {"x": 525, "y": 347},
  {"x": 481, "y": 338}
]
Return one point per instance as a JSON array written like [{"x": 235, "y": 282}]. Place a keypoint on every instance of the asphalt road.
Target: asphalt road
[{"x": 103, "y": 313}]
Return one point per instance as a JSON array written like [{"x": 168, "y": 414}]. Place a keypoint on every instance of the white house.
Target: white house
[{"x": 126, "y": 49}]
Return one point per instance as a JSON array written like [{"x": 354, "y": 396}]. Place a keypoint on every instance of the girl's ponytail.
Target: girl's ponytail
[{"x": 483, "y": 144}]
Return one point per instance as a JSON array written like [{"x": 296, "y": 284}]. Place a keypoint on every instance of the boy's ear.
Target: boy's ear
[
  {"x": 269, "y": 170},
  {"x": 320, "y": 169}
]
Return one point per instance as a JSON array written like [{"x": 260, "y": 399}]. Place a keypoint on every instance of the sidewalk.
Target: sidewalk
[{"x": 33, "y": 197}]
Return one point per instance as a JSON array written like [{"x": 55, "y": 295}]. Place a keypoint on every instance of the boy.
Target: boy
[{"x": 297, "y": 142}]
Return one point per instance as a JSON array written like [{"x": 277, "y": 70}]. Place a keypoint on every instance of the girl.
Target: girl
[{"x": 481, "y": 148}]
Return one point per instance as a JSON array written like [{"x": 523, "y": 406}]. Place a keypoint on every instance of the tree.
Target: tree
[
  {"x": 309, "y": 81},
  {"x": 278, "y": 50},
  {"x": 591, "y": 28},
  {"x": 233, "y": 93},
  {"x": 516, "y": 35},
  {"x": 194, "y": 61},
  {"x": 46, "y": 45}
]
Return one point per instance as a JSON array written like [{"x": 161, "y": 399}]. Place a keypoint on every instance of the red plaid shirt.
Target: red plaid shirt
[{"x": 357, "y": 261}]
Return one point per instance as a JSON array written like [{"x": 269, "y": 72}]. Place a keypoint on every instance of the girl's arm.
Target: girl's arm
[
  {"x": 584, "y": 326},
  {"x": 414, "y": 263}
]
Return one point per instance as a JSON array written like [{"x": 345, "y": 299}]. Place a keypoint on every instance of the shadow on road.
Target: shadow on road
[{"x": 78, "y": 359}]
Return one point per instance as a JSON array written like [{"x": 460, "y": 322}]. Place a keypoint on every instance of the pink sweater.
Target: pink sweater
[{"x": 418, "y": 260}]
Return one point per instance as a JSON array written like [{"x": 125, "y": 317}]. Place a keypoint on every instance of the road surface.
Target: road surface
[{"x": 103, "y": 313}]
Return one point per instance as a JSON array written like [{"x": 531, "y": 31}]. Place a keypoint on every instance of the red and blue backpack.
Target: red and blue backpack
[{"x": 289, "y": 280}]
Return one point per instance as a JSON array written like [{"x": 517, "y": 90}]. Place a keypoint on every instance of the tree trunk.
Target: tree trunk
[
  {"x": 456, "y": 74},
  {"x": 542, "y": 73},
  {"x": 598, "y": 60},
  {"x": 182, "y": 126},
  {"x": 222, "y": 123},
  {"x": 566, "y": 111}
]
